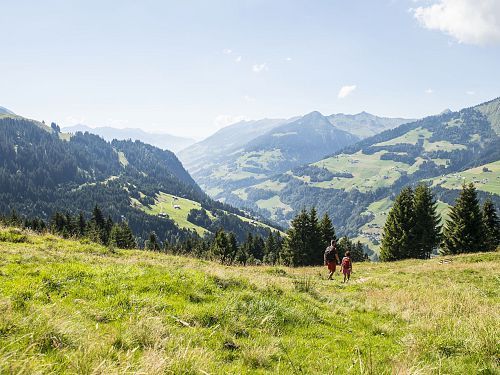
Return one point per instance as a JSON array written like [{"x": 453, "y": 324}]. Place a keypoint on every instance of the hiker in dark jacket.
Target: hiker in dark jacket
[{"x": 331, "y": 258}]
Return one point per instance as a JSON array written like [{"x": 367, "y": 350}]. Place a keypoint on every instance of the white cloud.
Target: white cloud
[
  {"x": 288, "y": 59},
  {"x": 249, "y": 98},
  {"x": 238, "y": 59},
  {"x": 429, "y": 91},
  {"x": 227, "y": 51},
  {"x": 257, "y": 68},
  {"x": 222, "y": 121},
  {"x": 471, "y": 93},
  {"x": 345, "y": 91},
  {"x": 468, "y": 21}
]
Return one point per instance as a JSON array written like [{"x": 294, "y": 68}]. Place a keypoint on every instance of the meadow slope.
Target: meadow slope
[{"x": 76, "y": 307}]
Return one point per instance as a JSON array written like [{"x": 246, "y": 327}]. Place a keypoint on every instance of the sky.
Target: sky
[{"x": 190, "y": 67}]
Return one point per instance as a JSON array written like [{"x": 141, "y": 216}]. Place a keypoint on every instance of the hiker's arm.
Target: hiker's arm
[{"x": 338, "y": 260}]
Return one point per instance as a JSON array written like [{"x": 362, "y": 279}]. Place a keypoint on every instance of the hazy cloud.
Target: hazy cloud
[
  {"x": 238, "y": 59},
  {"x": 227, "y": 51},
  {"x": 429, "y": 91},
  {"x": 257, "y": 68},
  {"x": 249, "y": 98},
  {"x": 288, "y": 59},
  {"x": 345, "y": 91},
  {"x": 471, "y": 93},
  {"x": 222, "y": 121},
  {"x": 468, "y": 21}
]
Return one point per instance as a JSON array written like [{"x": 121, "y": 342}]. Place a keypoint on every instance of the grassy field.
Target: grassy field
[
  {"x": 368, "y": 171},
  {"x": 165, "y": 203},
  {"x": 486, "y": 181},
  {"x": 76, "y": 307}
]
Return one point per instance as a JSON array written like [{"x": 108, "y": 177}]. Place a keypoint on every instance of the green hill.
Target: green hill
[
  {"x": 77, "y": 307},
  {"x": 43, "y": 171}
]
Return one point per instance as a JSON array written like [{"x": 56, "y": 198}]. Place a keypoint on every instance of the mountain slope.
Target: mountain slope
[
  {"x": 5, "y": 111},
  {"x": 163, "y": 141},
  {"x": 224, "y": 142},
  {"x": 42, "y": 171},
  {"x": 347, "y": 182},
  {"x": 365, "y": 124}
]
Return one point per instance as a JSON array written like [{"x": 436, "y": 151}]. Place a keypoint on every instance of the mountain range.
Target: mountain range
[
  {"x": 248, "y": 152},
  {"x": 161, "y": 140}
]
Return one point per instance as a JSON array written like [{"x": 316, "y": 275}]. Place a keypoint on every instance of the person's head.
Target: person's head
[{"x": 348, "y": 254}]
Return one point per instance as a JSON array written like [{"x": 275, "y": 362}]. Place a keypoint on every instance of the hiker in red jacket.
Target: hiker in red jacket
[
  {"x": 346, "y": 266},
  {"x": 331, "y": 258}
]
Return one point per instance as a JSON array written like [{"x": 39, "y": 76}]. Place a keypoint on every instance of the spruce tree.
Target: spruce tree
[
  {"x": 327, "y": 231},
  {"x": 296, "y": 245},
  {"x": 427, "y": 229},
  {"x": 464, "y": 231},
  {"x": 152, "y": 242},
  {"x": 314, "y": 255},
  {"x": 491, "y": 225},
  {"x": 397, "y": 238},
  {"x": 232, "y": 247}
]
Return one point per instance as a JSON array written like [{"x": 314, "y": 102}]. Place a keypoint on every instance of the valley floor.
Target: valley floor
[{"x": 76, "y": 307}]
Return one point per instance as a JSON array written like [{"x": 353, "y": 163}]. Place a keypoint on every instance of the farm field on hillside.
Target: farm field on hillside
[
  {"x": 77, "y": 307},
  {"x": 485, "y": 180}
]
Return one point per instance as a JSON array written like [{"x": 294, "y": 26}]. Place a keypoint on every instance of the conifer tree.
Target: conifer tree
[
  {"x": 296, "y": 245},
  {"x": 314, "y": 255},
  {"x": 397, "y": 238},
  {"x": 221, "y": 249},
  {"x": 233, "y": 247},
  {"x": 152, "y": 242},
  {"x": 427, "y": 229},
  {"x": 327, "y": 231},
  {"x": 464, "y": 231},
  {"x": 492, "y": 225}
]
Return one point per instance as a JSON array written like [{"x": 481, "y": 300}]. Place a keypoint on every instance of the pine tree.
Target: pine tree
[
  {"x": 327, "y": 231},
  {"x": 220, "y": 247},
  {"x": 397, "y": 239},
  {"x": 295, "y": 247},
  {"x": 427, "y": 229},
  {"x": 464, "y": 231},
  {"x": 358, "y": 253},
  {"x": 81, "y": 225},
  {"x": 152, "y": 242},
  {"x": 121, "y": 236},
  {"x": 232, "y": 247},
  {"x": 492, "y": 225},
  {"x": 314, "y": 255}
]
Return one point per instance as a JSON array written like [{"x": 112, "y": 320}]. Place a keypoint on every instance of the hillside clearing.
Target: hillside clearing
[{"x": 76, "y": 307}]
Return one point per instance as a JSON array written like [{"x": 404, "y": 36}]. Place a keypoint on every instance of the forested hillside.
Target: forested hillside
[
  {"x": 43, "y": 171},
  {"x": 352, "y": 184}
]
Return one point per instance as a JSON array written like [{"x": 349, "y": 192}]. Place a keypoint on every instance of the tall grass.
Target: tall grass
[{"x": 71, "y": 307}]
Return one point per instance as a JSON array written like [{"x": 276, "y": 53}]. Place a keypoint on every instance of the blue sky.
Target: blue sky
[{"x": 189, "y": 67}]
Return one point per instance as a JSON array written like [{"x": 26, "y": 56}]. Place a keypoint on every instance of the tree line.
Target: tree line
[
  {"x": 303, "y": 244},
  {"x": 413, "y": 227}
]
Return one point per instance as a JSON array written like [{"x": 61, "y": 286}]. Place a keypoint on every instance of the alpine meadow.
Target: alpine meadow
[{"x": 250, "y": 187}]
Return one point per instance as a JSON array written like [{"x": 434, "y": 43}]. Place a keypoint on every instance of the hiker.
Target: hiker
[
  {"x": 331, "y": 258},
  {"x": 346, "y": 266}
]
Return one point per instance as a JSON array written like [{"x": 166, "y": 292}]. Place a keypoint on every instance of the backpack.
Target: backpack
[
  {"x": 330, "y": 253},
  {"x": 346, "y": 263}
]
